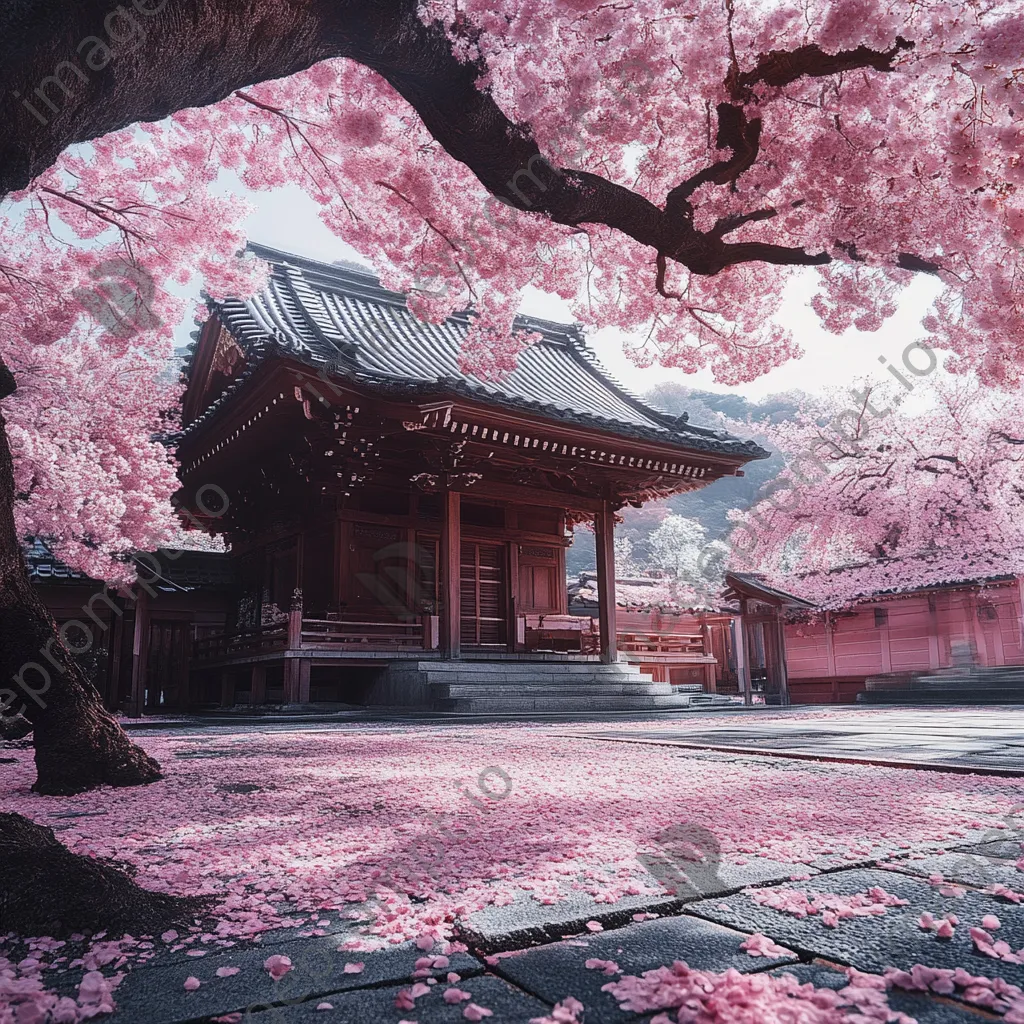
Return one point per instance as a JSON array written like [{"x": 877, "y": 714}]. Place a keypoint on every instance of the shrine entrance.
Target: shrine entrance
[{"x": 759, "y": 634}]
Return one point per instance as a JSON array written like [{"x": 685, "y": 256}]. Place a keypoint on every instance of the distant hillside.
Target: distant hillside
[{"x": 709, "y": 505}]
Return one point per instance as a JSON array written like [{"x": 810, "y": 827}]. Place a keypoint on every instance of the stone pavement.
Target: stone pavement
[
  {"x": 523, "y": 958},
  {"x": 958, "y": 739}
]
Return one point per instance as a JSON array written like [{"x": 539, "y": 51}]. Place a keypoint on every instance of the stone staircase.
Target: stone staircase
[
  {"x": 966, "y": 685},
  {"x": 510, "y": 687}
]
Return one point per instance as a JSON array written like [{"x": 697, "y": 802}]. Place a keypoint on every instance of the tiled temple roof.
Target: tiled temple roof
[
  {"x": 341, "y": 319},
  {"x": 178, "y": 569}
]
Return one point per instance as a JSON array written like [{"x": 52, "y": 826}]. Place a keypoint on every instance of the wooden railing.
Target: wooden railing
[
  {"x": 581, "y": 633},
  {"x": 419, "y": 634},
  {"x": 253, "y": 640},
  {"x": 661, "y": 643},
  {"x": 562, "y": 633},
  {"x": 296, "y": 633}
]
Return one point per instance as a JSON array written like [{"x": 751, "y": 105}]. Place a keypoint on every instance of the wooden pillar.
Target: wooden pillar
[
  {"x": 739, "y": 626},
  {"x": 296, "y": 680},
  {"x": 451, "y": 569},
  {"x": 140, "y": 656},
  {"x": 258, "y": 690},
  {"x": 780, "y": 658},
  {"x": 117, "y": 641},
  {"x": 514, "y": 600},
  {"x": 710, "y": 671},
  {"x": 884, "y": 643},
  {"x": 604, "y": 536},
  {"x": 1019, "y": 608},
  {"x": 934, "y": 649},
  {"x": 984, "y": 656},
  {"x": 830, "y": 655},
  {"x": 295, "y": 621}
]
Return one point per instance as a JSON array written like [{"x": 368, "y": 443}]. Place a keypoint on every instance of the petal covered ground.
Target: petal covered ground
[{"x": 413, "y": 828}]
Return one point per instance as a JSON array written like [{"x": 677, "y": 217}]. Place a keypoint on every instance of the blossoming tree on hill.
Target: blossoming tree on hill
[{"x": 913, "y": 500}]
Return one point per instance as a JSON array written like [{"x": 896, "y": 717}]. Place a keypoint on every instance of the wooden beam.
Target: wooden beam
[
  {"x": 780, "y": 658},
  {"x": 451, "y": 568},
  {"x": 830, "y": 654},
  {"x": 258, "y": 691},
  {"x": 739, "y": 625},
  {"x": 140, "y": 656},
  {"x": 515, "y": 598},
  {"x": 604, "y": 536},
  {"x": 530, "y": 496}
]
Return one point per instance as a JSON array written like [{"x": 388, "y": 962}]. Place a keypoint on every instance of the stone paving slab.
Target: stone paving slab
[
  {"x": 526, "y": 922},
  {"x": 1000, "y": 849},
  {"x": 891, "y": 940},
  {"x": 555, "y": 971},
  {"x": 508, "y": 1004},
  {"x": 968, "y": 869},
  {"x": 156, "y": 994},
  {"x": 947, "y": 738},
  {"x": 925, "y": 1009}
]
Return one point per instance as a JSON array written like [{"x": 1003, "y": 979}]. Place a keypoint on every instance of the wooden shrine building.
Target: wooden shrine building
[{"x": 386, "y": 506}]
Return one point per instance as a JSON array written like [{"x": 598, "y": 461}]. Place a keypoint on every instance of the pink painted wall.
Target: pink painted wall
[{"x": 914, "y": 632}]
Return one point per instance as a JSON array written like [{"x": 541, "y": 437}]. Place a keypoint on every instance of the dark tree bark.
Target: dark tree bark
[
  {"x": 47, "y": 890},
  {"x": 78, "y": 744},
  {"x": 189, "y": 53}
]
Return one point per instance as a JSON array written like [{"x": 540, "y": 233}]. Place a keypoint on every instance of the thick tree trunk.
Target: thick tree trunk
[
  {"x": 47, "y": 890},
  {"x": 79, "y": 744}
]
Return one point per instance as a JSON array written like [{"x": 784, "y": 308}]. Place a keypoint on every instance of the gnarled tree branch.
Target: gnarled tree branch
[{"x": 196, "y": 52}]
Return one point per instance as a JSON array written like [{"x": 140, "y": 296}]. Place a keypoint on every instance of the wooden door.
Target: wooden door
[
  {"x": 484, "y": 610},
  {"x": 167, "y": 664}
]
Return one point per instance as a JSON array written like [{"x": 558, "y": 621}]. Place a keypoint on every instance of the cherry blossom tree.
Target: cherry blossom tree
[
  {"x": 666, "y": 169},
  {"x": 84, "y": 355},
  {"x": 906, "y": 500},
  {"x": 681, "y": 162},
  {"x": 676, "y": 546}
]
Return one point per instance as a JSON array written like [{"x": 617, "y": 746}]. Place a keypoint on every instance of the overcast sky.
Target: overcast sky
[{"x": 287, "y": 219}]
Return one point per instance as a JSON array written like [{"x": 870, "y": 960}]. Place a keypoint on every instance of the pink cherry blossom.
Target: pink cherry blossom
[
  {"x": 277, "y": 966},
  {"x": 191, "y": 984},
  {"x": 567, "y": 1011},
  {"x": 605, "y": 966},
  {"x": 760, "y": 945}
]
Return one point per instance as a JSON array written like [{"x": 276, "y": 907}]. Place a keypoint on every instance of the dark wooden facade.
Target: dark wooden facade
[
  {"x": 136, "y": 644},
  {"x": 383, "y": 503}
]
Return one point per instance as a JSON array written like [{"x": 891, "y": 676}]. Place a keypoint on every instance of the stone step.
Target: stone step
[
  {"x": 512, "y": 686},
  {"x": 980, "y": 695},
  {"x": 977, "y": 685},
  {"x": 569, "y": 668},
  {"x": 511, "y": 705},
  {"x": 546, "y": 678},
  {"x": 440, "y": 691}
]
